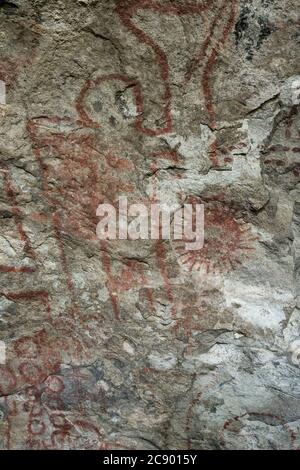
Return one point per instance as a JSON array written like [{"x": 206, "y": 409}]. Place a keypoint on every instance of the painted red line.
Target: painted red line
[
  {"x": 30, "y": 296},
  {"x": 17, "y": 214},
  {"x": 14, "y": 269}
]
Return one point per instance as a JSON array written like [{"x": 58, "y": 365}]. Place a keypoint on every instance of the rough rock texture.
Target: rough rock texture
[{"x": 133, "y": 344}]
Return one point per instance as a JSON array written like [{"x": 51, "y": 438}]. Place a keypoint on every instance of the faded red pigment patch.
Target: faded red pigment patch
[
  {"x": 81, "y": 434},
  {"x": 29, "y": 359},
  {"x": 235, "y": 424},
  {"x": 281, "y": 157},
  {"x": 77, "y": 176},
  {"x": 25, "y": 35},
  {"x": 228, "y": 240},
  {"x": 10, "y": 194},
  {"x": 9, "y": 70},
  {"x": 11, "y": 67},
  {"x": 132, "y": 274}
]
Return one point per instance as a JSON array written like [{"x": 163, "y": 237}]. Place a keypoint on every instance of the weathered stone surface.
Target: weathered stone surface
[{"x": 131, "y": 344}]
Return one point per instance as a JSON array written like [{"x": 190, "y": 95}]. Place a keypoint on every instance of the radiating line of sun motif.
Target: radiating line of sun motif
[{"x": 228, "y": 241}]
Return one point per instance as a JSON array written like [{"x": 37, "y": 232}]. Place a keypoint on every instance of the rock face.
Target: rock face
[{"x": 123, "y": 344}]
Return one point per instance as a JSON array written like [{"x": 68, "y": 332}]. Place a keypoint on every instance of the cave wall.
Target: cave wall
[{"x": 122, "y": 344}]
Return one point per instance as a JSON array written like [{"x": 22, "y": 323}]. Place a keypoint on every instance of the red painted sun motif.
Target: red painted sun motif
[{"x": 227, "y": 241}]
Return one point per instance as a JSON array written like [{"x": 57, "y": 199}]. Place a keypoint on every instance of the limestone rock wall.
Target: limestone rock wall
[{"x": 136, "y": 344}]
